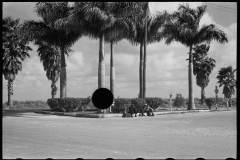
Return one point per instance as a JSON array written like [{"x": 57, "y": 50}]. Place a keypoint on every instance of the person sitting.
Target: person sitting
[
  {"x": 148, "y": 110},
  {"x": 141, "y": 111},
  {"x": 132, "y": 110}
]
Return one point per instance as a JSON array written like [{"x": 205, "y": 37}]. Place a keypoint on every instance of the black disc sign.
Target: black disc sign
[{"x": 102, "y": 98}]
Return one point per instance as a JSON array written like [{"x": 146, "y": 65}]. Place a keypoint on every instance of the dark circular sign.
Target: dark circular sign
[{"x": 102, "y": 98}]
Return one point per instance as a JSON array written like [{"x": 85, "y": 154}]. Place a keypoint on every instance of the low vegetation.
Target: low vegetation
[
  {"x": 121, "y": 104},
  {"x": 28, "y": 105}
]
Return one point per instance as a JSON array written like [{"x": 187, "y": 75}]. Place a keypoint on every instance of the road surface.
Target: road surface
[{"x": 179, "y": 136}]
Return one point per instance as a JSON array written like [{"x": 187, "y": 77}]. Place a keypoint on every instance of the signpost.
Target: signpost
[
  {"x": 216, "y": 100},
  {"x": 170, "y": 102}
]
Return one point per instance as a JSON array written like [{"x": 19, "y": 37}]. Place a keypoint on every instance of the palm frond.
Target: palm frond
[{"x": 210, "y": 32}]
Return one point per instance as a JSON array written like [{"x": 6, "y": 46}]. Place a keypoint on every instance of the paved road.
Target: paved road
[{"x": 190, "y": 135}]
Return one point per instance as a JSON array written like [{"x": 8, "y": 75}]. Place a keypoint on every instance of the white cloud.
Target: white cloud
[
  {"x": 206, "y": 20},
  {"x": 121, "y": 59},
  {"x": 75, "y": 61},
  {"x": 166, "y": 61}
]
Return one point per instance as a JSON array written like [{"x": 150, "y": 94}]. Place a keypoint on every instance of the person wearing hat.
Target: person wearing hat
[{"x": 148, "y": 110}]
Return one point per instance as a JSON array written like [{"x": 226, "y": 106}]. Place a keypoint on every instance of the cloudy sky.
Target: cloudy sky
[{"x": 167, "y": 69}]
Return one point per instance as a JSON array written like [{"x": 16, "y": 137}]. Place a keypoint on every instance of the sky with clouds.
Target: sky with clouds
[{"x": 167, "y": 69}]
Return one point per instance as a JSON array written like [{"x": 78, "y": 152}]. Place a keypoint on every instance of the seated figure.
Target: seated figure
[
  {"x": 148, "y": 110},
  {"x": 132, "y": 110}
]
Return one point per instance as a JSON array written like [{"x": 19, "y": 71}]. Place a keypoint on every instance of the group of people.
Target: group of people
[{"x": 144, "y": 109}]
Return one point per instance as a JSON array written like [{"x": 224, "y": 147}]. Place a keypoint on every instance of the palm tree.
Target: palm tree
[
  {"x": 97, "y": 19},
  {"x": 47, "y": 30},
  {"x": 154, "y": 24},
  {"x": 14, "y": 52},
  {"x": 114, "y": 35},
  {"x": 226, "y": 79},
  {"x": 145, "y": 49},
  {"x": 183, "y": 27},
  {"x": 202, "y": 67},
  {"x": 50, "y": 57}
]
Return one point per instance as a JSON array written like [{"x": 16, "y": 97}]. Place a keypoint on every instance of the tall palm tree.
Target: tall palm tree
[
  {"x": 14, "y": 52},
  {"x": 227, "y": 79},
  {"x": 183, "y": 27},
  {"x": 202, "y": 67},
  {"x": 96, "y": 19},
  {"x": 154, "y": 24},
  {"x": 48, "y": 31},
  {"x": 50, "y": 57},
  {"x": 115, "y": 34},
  {"x": 121, "y": 29},
  {"x": 147, "y": 11}
]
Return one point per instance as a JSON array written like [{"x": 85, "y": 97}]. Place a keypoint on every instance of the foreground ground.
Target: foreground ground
[{"x": 189, "y": 135}]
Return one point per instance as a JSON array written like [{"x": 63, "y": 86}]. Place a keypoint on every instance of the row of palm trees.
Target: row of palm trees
[
  {"x": 62, "y": 25},
  {"x": 14, "y": 52}
]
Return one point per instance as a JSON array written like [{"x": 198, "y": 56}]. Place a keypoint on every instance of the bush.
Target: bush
[
  {"x": 179, "y": 101},
  {"x": 138, "y": 102},
  {"x": 120, "y": 105},
  {"x": 86, "y": 103},
  {"x": 53, "y": 104},
  {"x": 154, "y": 103},
  {"x": 234, "y": 101},
  {"x": 166, "y": 103},
  {"x": 210, "y": 102},
  {"x": 69, "y": 104}
]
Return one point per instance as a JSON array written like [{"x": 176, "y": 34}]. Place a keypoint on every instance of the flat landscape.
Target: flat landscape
[{"x": 190, "y": 135}]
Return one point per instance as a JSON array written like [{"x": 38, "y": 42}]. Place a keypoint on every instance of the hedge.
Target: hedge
[
  {"x": 69, "y": 104},
  {"x": 138, "y": 102},
  {"x": 121, "y": 104},
  {"x": 53, "y": 104},
  {"x": 154, "y": 102}
]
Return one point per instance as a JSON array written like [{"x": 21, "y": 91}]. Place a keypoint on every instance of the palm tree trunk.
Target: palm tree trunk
[
  {"x": 63, "y": 75},
  {"x": 101, "y": 66},
  {"x": 53, "y": 87},
  {"x": 10, "y": 93},
  {"x": 191, "y": 104},
  {"x": 145, "y": 54},
  {"x": 112, "y": 73},
  {"x": 202, "y": 95},
  {"x": 141, "y": 72}
]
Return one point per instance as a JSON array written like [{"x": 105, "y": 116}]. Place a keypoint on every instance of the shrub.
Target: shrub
[
  {"x": 69, "y": 104},
  {"x": 86, "y": 103},
  {"x": 179, "y": 101},
  {"x": 120, "y": 105},
  {"x": 138, "y": 102},
  {"x": 234, "y": 101},
  {"x": 210, "y": 102},
  {"x": 53, "y": 104},
  {"x": 154, "y": 103},
  {"x": 166, "y": 103}
]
